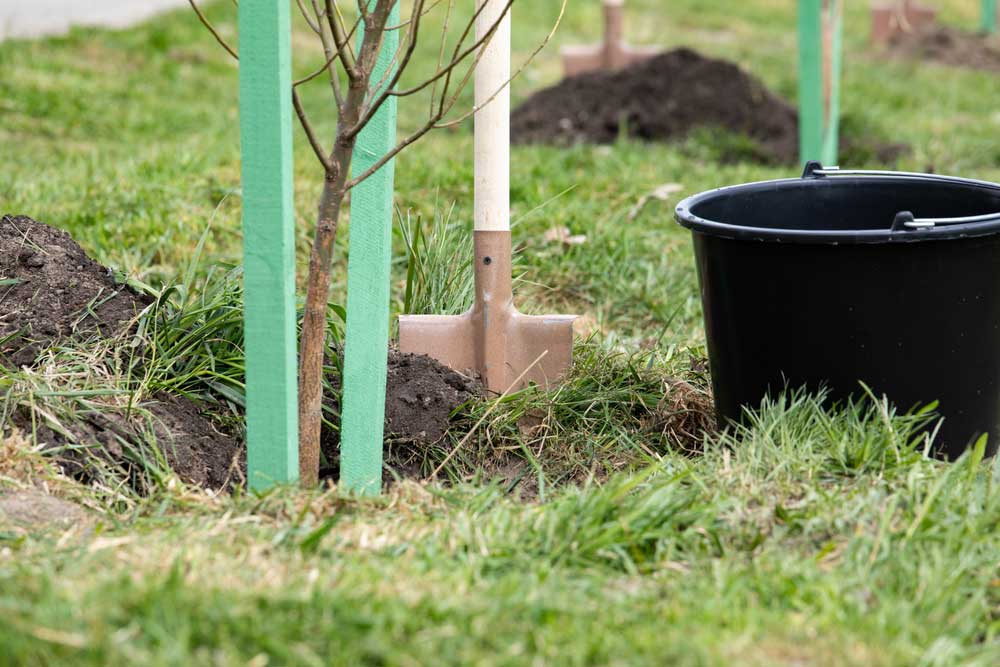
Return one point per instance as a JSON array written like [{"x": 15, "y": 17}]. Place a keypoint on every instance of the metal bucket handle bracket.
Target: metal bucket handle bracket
[{"x": 905, "y": 220}]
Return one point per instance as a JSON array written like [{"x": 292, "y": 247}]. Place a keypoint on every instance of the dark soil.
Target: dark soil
[
  {"x": 421, "y": 395},
  {"x": 51, "y": 290},
  {"x": 666, "y": 98},
  {"x": 196, "y": 449},
  {"x": 948, "y": 45}
]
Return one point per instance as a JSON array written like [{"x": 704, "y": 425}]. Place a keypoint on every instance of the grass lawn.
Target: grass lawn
[{"x": 807, "y": 538}]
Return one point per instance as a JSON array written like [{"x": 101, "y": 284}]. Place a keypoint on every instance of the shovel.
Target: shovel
[{"x": 492, "y": 338}]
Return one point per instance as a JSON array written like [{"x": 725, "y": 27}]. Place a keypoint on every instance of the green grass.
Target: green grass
[{"x": 808, "y": 538}]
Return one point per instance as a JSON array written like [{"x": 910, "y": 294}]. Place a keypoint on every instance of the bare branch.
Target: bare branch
[
  {"x": 391, "y": 154},
  {"x": 446, "y": 102},
  {"x": 456, "y": 60},
  {"x": 313, "y": 25},
  {"x": 307, "y": 127},
  {"x": 310, "y": 77},
  {"x": 211, "y": 28},
  {"x": 395, "y": 69},
  {"x": 403, "y": 24},
  {"x": 331, "y": 55},
  {"x": 530, "y": 58},
  {"x": 342, "y": 40}
]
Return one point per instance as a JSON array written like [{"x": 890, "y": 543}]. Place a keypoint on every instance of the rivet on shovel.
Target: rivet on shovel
[
  {"x": 613, "y": 53},
  {"x": 493, "y": 338}
]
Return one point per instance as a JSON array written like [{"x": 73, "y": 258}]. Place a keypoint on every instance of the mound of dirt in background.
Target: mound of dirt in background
[
  {"x": 51, "y": 290},
  {"x": 666, "y": 98},
  {"x": 949, "y": 46}
]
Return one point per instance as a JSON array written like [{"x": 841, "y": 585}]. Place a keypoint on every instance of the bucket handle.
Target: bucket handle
[{"x": 905, "y": 219}]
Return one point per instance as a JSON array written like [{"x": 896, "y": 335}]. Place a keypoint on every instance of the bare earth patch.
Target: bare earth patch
[
  {"x": 949, "y": 46},
  {"x": 34, "y": 510}
]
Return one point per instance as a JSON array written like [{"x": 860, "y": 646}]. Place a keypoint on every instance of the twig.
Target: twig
[
  {"x": 310, "y": 133},
  {"x": 343, "y": 42},
  {"x": 211, "y": 28}
]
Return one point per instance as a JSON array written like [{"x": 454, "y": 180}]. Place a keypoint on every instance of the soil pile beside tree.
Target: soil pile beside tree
[
  {"x": 50, "y": 290},
  {"x": 949, "y": 46},
  {"x": 667, "y": 98},
  {"x": 132, "y": 438},
  {"x": 421, "y": 396}
]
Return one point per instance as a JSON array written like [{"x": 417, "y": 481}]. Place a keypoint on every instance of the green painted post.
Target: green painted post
[
  {"x": 268, "y": 243},
  {"x": 810, "y": 80},
  {"x": 989, "y": 18},
  {"x": 831, "y": 135},
  {"x": 819, "y": 96},
  {"x": 370, "y": 252}
]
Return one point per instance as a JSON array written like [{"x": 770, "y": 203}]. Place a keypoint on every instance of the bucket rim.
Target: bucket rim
[{"x": 684, "y": 215}]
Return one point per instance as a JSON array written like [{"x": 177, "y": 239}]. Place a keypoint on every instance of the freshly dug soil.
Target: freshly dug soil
[
  {"x": 51, "y": 290},
  {"x": 949, "y": 46},
  {"x": 420, "y": 397},
  {"x": 666, "y": 98},
  {"x": 196, "y": 449}
]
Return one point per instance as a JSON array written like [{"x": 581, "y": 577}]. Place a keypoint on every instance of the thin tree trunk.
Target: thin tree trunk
[{"x": 313, "y": 344}]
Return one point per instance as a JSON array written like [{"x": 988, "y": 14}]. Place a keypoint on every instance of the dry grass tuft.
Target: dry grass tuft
[{"x": 683, "y": 417}]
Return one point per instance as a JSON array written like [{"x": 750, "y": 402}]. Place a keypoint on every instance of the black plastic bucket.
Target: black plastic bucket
[{"x": 841, "y": 277}]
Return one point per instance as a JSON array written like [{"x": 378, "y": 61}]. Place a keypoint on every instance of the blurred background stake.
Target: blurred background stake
[
  {"x": 989, "y": 17},
  {"x": 613, "y": 53},
  {"x": 820, "y": 46}
]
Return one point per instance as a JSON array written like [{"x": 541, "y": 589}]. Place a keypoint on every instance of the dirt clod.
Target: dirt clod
[
  {"x": 34, "y": 510},
  {"x": 949, "y": 46},
  {"x": 420, "y": 396},
  {"x": 51, "y": 290},
  {"x": 683, "y": 417},
  {"x": 666, "y": 98}
]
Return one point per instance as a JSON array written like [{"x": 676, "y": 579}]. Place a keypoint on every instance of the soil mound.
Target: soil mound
[
  {"x": 130, "y": 438},
  {"x": 420, "y": 397},
  {"x": 666, "y": 98},
  {"x": 662, "y": 98},
  {"x": 949, "y": 46},
  {"x": 51, "y": 290}
]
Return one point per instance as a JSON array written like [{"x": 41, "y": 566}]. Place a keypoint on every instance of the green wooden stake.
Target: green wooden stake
[
  {"x": 268, "y": 243},
  {"x": 818, "y": 117},
  {"x": 370, "y": 252},
  {"x": 831, "y": 130},
  {"x": 810, "y": 81},
  {"x": 989, "y": 18}
]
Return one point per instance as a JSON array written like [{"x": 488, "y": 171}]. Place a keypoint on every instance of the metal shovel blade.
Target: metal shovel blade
[{"x": 492, "y": 339}]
